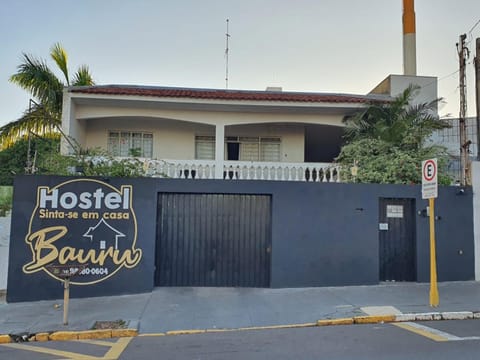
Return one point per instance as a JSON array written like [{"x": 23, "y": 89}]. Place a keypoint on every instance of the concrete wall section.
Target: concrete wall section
[
  {"x": 323, "y": 234},
  {"x": 4, "y": 242},
  {"x": 428, "y": 87},
  {"x": 476, "y": 214},
  {"x": 453, "y": 235}
]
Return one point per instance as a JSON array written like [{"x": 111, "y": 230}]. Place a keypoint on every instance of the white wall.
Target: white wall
[
  {"x": 476, "y": 215},
  {"x": 428, "y": 87},
  {"x": 211, "y": 117},
  {"x": 171, "y": 139},
  {"x": 4, "y": 246},
  {"x": 175, "y": 140}
]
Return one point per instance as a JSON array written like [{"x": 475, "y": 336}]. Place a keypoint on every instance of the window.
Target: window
[
  {"x": 240, "y": 148},
  {"x": 205, "y": 147},
  {"x": 269, "y": 149},
  {"x": 127, "y": 143}
]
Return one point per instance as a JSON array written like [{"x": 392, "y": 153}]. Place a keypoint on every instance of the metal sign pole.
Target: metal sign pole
[
  {"x": 434, "y": 297},
  {"x": 66, "y": 299},
  {"x": 430, "y": 192}
]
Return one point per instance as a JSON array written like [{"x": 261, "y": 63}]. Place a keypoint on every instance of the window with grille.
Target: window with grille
[
  {"x": 249, "y": 148},
  {"x": 128, "y": 143},
  {"x": 205, "y": 147}
]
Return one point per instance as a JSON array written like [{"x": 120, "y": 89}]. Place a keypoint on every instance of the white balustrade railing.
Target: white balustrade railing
[
  {"x": 181, "y": 169},
  {"x": 244, "y": 170},
  {"x": 315, "y": 172}
]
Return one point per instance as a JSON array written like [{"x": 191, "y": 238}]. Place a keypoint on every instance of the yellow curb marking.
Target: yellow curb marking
[
  {"x": 373, "y": 319},
  {"x": 341, "y": 321},
  {"x": 203, "y": 331},
  {"x": 185, "y": 332},
  {"x": 272, "y": 327},
  {"x": 220, "y": 330},
  {"x": 421, "y": 331},
  {"x": 116, "y": 349}
]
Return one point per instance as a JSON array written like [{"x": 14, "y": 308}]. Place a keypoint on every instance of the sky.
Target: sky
[{"x": 334, "y": 46}]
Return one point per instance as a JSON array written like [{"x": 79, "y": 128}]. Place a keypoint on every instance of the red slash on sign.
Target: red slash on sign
[{"x": 429, "y": 170}]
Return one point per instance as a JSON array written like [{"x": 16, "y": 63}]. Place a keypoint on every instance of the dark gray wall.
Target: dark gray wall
[{"x": 322, "y": 234}]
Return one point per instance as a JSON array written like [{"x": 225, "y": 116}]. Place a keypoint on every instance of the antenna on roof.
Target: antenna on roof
[{"x": 226, "y": 57}]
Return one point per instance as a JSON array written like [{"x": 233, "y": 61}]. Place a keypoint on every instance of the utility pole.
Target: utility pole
[
  {"x": 463, "y": 54},
  {"x": 477, "y": 92}
]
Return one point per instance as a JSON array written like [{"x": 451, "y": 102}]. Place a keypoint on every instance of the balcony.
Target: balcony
[{"x": 244, "y": 170}]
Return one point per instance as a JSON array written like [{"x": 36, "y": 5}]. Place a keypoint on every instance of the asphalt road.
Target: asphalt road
[{"x": 440, "y": 340}]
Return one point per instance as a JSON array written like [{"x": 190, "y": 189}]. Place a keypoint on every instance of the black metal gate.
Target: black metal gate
[
  {"x": 397, "y": 239},
  {"x": 213, "y": 240}
]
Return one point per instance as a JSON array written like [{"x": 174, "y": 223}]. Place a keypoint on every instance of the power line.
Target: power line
[
  {"x": 473, "y": 27},
  {"x": 440, "y": 79},
  {"x": 470, "y": 36},
  {"x": 445, "y": 77}
]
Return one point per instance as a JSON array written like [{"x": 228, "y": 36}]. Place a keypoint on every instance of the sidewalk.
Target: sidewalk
[{"x": 167, "y": 309}]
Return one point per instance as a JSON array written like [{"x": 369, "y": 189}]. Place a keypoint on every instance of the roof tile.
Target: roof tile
[{"x": 218, "y": 94}]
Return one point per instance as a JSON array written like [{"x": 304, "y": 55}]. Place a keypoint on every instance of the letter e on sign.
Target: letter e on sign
[{"x": 429, "y": 179}]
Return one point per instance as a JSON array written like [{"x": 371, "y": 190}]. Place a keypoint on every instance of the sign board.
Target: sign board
[
  {"x": 429, "y": 179},
  {"x": 394, "y": 211},
  {"x": 82, "y": 227},
  {"x": 383, "y": 226}
]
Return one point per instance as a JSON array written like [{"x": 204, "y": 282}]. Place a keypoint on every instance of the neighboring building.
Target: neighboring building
[
  {"x": 206, "y": 133},
  {"x": 450, "y": 138},
  {"x": 394, "y": 85}
]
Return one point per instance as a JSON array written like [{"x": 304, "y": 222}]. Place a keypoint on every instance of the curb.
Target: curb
[
  {"x": 69, "y": 335},
  {"x": 133, "y": 332}
]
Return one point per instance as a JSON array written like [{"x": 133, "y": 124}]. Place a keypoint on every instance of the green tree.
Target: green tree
[
  {"x": 44, "y": 113},
  {"x": 388, "y": 141},
  {"x": 47, "y": 160},
  {"x": 13, "y": 160}
]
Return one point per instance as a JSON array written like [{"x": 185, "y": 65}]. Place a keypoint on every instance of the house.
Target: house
[
  {"x": 211, "y": 133},
  {"x": 196, "y": 227},
  {"x": 223, "y": 134}
]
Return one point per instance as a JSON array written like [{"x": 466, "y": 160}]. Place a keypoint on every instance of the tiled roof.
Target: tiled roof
[{"x": 218, "y": 94}]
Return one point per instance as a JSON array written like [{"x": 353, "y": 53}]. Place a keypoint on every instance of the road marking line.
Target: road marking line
[
  {"x": 117, "y": 348},
  {"x": 471, "y": 338},
  {"x": 97, "y": 342},
  {"x": 433, "y": 334},
  {"x": 63, "y": 354}
]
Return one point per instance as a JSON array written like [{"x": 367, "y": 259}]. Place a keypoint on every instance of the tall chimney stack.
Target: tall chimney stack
[{"x": 409, "y": 41}]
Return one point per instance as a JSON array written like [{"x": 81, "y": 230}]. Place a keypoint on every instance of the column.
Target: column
[{"x": 219, "y": 150}]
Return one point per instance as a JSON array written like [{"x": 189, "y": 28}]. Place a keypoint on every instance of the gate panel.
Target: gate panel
[
  {"x": 397, "y": 239},
  {"x": 213, "y": 240}
]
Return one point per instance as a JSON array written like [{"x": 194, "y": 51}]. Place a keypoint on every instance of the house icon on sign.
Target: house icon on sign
[{"x": 105, "y": 234}]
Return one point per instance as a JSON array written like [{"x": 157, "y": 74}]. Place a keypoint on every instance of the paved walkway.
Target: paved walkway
[{"x": 168, "y": 309}]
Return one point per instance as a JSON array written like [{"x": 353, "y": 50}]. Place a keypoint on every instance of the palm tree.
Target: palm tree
[
  {"x": 43, "y": 117},
  {"x": 397, "y": 123},
  {"x": 387, "y": 141}
]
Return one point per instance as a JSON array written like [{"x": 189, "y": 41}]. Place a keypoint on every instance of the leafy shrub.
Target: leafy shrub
[{"x": 6, "y": 193}]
